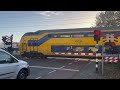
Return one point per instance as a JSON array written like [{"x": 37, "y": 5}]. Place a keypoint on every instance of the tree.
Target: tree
[{"x": 108, "y": 19}]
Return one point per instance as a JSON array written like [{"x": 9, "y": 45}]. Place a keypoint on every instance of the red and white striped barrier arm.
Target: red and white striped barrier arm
[
  {"x": 111, "y": 59},
  {"x": 69, "y": 53}
]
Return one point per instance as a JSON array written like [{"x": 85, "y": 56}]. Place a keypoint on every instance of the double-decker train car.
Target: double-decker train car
[{"x": 77, "y": 42}]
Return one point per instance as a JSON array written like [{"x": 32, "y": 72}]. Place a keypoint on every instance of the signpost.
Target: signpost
[
  {"x": 8, "y": 42},
  {"x": 97, "y": 38},
  {"x": 102, "y": 59}
]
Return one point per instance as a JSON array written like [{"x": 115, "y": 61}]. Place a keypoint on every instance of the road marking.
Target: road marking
[
  {"x": 76, "y": 59},
  {"x": 51, "y": 60},
  {"x": 38, "y": 77},
  {"x": 62, "y": 67},
  {"x": 55, "y": 68},
  {"x": 70, "y": 63},
  {"x": 88, "y": 64},
  {"x": 59, "y": 58},
  {"x": 79, "y": 59},
  {"x": 51, "y": 71}
]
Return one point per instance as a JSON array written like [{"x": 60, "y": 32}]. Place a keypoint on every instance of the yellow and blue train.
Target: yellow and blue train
[{"x": 77, "y": 42}]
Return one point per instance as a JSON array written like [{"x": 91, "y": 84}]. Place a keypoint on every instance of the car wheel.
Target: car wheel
[{"x": 22, "y": 74}]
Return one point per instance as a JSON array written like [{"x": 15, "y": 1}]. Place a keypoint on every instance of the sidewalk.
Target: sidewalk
[{"x": 88, "y": 72}]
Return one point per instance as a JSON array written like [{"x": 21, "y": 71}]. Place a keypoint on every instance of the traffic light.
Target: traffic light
[
  {"x": 112, "y": 44},
  {"x": 97, "y": 35},
  {"x": 8, "y": 43},
  {"x": 4, "y": 39},
  {"x": 11, "y": 37}
]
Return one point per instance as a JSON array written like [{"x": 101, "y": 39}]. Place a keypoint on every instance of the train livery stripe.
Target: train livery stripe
[{"x": 39, "y": 42}]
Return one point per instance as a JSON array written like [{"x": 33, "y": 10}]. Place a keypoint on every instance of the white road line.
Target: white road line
[
  {"x": 79, "y": 59},
  {"x": 59, "y": 58},
  {"x": 38, "y": 77},
  {"x": 62, "y": 67},
  {"x": 88, "y": 63},
  {"x": 70, "y": 63},
  {"x": 51, "y": 71},
  {"x": 55, "y": 68},
  {"x": 52, "y": 61},
  {"x": 76, "y": 59}
]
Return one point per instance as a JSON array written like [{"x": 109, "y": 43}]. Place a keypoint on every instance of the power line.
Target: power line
[
  {"x": 42, "y": 17},
  {"x": 53, "y": 22},
  {"x": 46, "y": 25},
  {"x": 47, "y": 20}
]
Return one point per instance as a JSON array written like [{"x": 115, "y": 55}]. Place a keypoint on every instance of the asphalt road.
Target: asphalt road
[{"x": 62, "y": 68}]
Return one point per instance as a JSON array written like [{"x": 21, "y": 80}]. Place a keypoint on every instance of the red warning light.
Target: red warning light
[
  {"x": 112, "y": 44},
  {"x": 97, "y": 33}
]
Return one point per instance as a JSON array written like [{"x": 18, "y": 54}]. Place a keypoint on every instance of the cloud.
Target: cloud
[{"x": 51, "y": 13}]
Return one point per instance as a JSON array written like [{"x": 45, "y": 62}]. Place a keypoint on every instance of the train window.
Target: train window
[
  {"x": 49, "y": 35},
  {"x": 104, "y": 33},
  {"x": 92, "y": 49},
  {"x": 29, "y": 43},
  {"x": 68, "y": 48},
  {"x": 55, "y": 36},
  {"x": 78, "y": 49},
  {"x": 64, "y": 35},
  {"x": 78, "y": 35},
  {"x": 90, "y": 35},
  {"x": 35, "y": 43},
  {"x": 24, "y": 42},
  {"x": 60, "y": 48}
]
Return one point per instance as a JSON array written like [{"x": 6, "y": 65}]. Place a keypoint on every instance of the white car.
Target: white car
[{"x": 11, "y": 67}]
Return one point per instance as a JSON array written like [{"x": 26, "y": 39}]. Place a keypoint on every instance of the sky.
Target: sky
[{"x": 20, "y": 22}]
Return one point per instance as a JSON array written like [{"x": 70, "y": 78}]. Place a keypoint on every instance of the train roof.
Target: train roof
[{"x": 70, "y": 30}]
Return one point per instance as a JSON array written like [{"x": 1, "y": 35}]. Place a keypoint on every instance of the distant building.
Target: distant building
[
  {"x": 15, "y": 46},
  {"x": 1, "y": 45}
]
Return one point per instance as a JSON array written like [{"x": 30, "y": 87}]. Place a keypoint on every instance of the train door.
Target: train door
[
  {"x": 34, "y": 47},
  {"x": 24, "y": 46},
  {"x": 31, "y": 47}
]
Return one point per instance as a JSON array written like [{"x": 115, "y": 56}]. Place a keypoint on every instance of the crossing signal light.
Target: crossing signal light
[
  {"x": 97, "y": 35},
  {"x": 8, "y": 43},
  {"x": 4, "y": 39},
  {"x": 112, "y": 44}
]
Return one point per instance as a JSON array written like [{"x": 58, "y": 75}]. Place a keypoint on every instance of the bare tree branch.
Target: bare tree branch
[{"x": 108, "y": 19}]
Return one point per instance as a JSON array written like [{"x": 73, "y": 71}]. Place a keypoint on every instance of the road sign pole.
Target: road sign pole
[
  {"x": 96, "y": 59},
  {"x": 102, "y": 59},
  {"x": 97, "y": 38}
]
